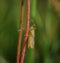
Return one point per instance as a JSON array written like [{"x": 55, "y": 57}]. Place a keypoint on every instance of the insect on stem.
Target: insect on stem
[{"x": 20, "y": 32}]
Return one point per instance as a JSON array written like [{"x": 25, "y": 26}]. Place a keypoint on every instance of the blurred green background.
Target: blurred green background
[{"x": 45, "y": 14}]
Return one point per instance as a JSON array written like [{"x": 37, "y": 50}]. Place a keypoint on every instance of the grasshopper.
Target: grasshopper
[{"x": 31, "y": 36}]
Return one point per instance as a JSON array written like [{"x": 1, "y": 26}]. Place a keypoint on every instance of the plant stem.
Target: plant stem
[
  {"x": 20, "y": 32},
  {"x": 27, "y": 30}
]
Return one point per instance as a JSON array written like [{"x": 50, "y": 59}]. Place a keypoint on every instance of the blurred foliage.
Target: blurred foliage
[{"x": 47, "y": 34}]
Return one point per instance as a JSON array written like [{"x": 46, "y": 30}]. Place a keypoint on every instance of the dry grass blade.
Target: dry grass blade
[
  {"x": 26, "y": 31},
  {"x": 20, "y": 32}
]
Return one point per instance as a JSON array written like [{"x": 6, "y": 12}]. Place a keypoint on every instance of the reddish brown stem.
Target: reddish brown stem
[
  {"x": 20, "y": 33},
  {"x": 27, "y": 30}
]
